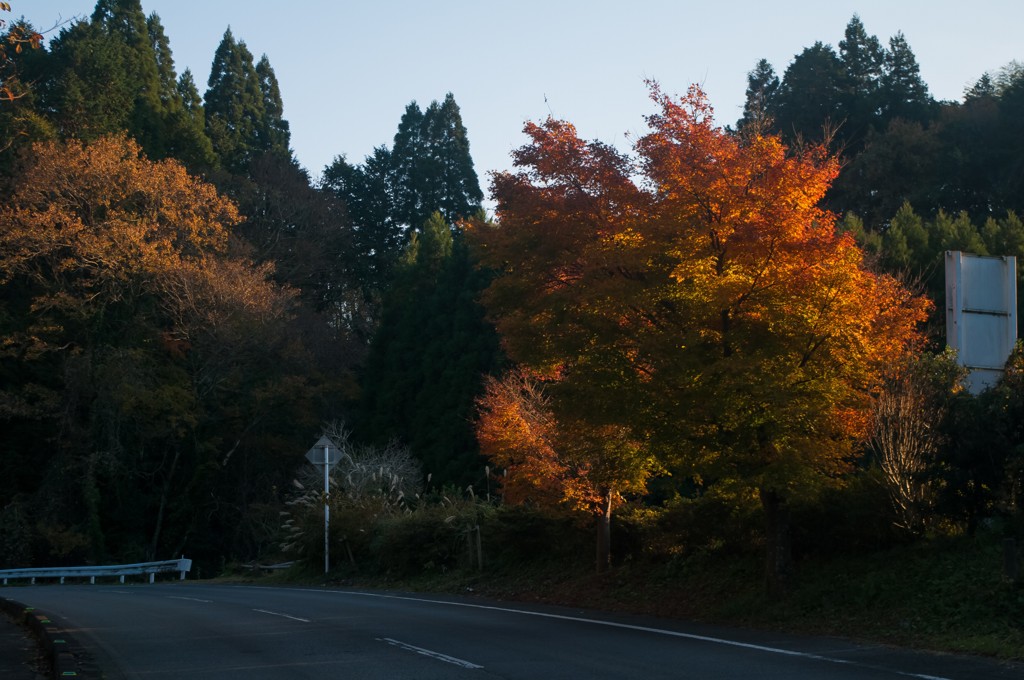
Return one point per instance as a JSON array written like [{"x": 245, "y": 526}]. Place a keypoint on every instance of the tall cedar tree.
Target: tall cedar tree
[
  {"x": 712, "y": 311},
  {"x": 758, "y": 108},
  {"x": 428, "y": 358},
  {"x": 428, "y": 169},
  {"x": 243, "y": 107}
]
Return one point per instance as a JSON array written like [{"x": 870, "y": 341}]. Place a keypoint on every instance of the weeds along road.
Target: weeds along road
[{"x": 192, "y": 630}]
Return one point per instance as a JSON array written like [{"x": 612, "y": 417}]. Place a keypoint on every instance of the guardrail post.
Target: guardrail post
[
  {"x": 62, "y": 580},
  {"x": 152, "y": 577},
  {"x": 122, "y": 578},
  {"x": 92, "y": 580}
]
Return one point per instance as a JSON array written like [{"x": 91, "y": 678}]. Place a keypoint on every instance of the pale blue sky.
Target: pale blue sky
[{"x": 347, "y": 69}]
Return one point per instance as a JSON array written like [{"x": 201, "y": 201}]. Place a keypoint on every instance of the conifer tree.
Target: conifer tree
[
  {"x": 810, "y": 96},
  {"x": 862, "y": 57},
  {"x": 275, "y": 135},
  {"x": 429, "y": 356},
  {"x": 183, "y": 134},
  {"x": 407, "y": 173},
  {"x": 234, "y": 103},
  {"x": 904, "y": 93},
  {"x": 758, "y": 108},
  {"x": 458, "y": 189}
]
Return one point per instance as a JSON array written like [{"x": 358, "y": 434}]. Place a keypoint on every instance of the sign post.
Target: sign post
[{"x": 325, "y": 453}]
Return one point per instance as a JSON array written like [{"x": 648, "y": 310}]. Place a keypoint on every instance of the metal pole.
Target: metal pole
[{"x": 327, "y": 513}]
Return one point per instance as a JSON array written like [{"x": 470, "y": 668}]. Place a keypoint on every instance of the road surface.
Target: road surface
[{"x": 194, "y": 630}]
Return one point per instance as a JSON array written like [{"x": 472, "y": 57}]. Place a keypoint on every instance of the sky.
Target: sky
[{"x": 348, "y": 69}]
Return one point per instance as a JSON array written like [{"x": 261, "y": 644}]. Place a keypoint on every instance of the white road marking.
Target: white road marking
[
  {"x": 433, "y": 655},
  {"x": 628, "y": 626},
  {"x": 190, "y": 599},
  {"x": 293, "y": 618}
]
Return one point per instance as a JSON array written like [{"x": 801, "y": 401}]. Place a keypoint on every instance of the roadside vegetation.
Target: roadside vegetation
[{"x": 706, "y": 376}]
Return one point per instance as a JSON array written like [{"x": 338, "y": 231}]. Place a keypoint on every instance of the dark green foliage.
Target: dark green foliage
[
  {"x": 275, "y": 135},
  {"x": 243, "y": 106},
  {"x": 809, "y": 101},
  {"x": 183, "y": 134},
  {"x": 981, "y": 469},
  {"x": 903, "y": 92},
  {"x": 515, "y": 536},
  {"x": 762, "y": 87},
  {"x": 394, "y": 192},
  {"x": 417, "y": 544},
  {"x": 428, "y": 358},
  {"x": 863, "y": 59},
  {"x": 430, "y": 166},
  {"x": 367, "y": 192}
]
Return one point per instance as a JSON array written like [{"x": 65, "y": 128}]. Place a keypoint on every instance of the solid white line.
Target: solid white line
[
  {"x": 293, "y": 618},
  {"x": 433, "y": 655},
  {"x": 190, "y": 599},
  {"x": 628, "y": 626}
]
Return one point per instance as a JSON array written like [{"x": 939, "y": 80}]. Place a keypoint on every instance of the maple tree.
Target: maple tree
[
  {"x": 551, "y": 459},
  {"x": 696, "y": 296}
]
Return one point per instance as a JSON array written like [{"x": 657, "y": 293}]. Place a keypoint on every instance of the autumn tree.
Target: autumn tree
[
  {"x": 554, "y": 461},
  {"x": 710, "y": 308},
  {"x": 150, "y": 375}
]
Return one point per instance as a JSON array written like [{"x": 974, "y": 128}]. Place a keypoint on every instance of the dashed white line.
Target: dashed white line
[
  {"x": 190, "y": 599},
  {"x": 287, "y": 616},
  {"x": 432, "y": 654},
  {"x": 627, "y": 626}
]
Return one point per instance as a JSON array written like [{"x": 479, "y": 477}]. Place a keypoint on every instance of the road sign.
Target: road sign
[{"x": 324, "y": 452}]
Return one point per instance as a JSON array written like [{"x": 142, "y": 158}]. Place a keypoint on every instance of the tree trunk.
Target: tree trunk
[
  {"x": 604, "y": 534},
  {"x": 778, "y": 546},
  {"x": 155, "y": 544}
]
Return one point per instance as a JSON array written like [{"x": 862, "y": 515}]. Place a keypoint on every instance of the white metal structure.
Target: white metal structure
[{"x": 981, "y": 314}]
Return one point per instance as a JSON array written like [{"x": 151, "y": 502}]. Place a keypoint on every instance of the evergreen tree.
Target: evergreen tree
[
  {"x": 124, "y": 22},
  {"x": 188, "y": 140},
  {"x": 183, "y": 135},
  {"x": 983, "y": 88},
  {"x": 809, "y": 100},
  {"x": 429, "y": 356},
  {"x": 89, "y": 92},
  {"x": 762, "y": 89},
  {"x": 862, "y": 57},
  {"x": 903, "y": 92},
  {"x": 234, "y": 103},
  {"x": 169, "y": 95},
  {"x": 368, "y": 196},
  {"x": 457, "y": 191},
  {"x": 429, "y": 169},
  {"x": 275, "y": 135},
  {"x": 432, "y": 169},
  {"x": 407, "y": 174}
]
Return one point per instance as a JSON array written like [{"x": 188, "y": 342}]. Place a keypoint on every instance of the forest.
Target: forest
[{"x": 727, "y": 339}]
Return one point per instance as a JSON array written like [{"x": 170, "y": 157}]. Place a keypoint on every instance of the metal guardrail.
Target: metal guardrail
[{"x": 152, "y": 568}]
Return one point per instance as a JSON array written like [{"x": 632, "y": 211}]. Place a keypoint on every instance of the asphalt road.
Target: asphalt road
[{"x": 192, "y": 630}]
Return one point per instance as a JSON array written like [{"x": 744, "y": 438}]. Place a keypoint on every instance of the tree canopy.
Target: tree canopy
[{"x": 710, "y": 308}]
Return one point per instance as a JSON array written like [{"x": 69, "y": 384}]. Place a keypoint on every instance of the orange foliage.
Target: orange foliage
[
  {"x": 100, "y": 219},
  {"x": 695, "y": 294},
  {"x": 516, "y": 431}
]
